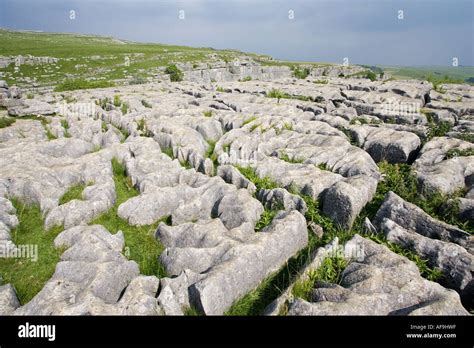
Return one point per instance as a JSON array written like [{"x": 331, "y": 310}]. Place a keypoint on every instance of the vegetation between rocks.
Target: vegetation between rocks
[
  {"x": 140, "y": 242},
  {"x": 28, "y": 275}
]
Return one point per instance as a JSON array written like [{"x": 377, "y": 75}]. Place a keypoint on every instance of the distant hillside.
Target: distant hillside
[{"x": 460, "y": 73}]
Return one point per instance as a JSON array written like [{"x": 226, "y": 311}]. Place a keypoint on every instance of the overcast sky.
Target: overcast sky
[{"x": 432, "y": 32}]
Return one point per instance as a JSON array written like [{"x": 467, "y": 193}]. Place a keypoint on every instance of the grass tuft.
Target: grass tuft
[{"x": 6, "y": 121}]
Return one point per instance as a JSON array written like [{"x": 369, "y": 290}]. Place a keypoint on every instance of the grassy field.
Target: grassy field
[
  {"x": 440, "y": 73},
  {"x": 87, "y": 56}
]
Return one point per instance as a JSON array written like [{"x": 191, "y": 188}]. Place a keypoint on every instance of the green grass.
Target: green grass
[
  {"x": 275, "y": 93},
  {"x": 401, "y": 179},
  {"x": 6, "y": 121},
  {"x": 207, "y": 113},
  {"x": 71, "y": 85},
  {"x": 265, "y": 219},
  {"x": 430, "y": 273},
  {"x": 459, "y": 153},
  {"x": 117, "y": 101},
  {"x": 140, "y": 243},
  {"x": 191, "y": 312},
  {"x": 74, "y": 192},
  {"x": 444, "y": 74},
  {"x": 124, "y": 108},
  {"x": 323, "y": 166},
  {"x": 278, "y": 94},
  {"x": 255, "y": 126},
  {"x": 141, "y": 125},
  {"x": 146, "y": 60},
  {"x": 29, "y": 277},
  {"x": 439, "y": 129},
  {"x": 125, "y": 133},
  {"x": 367, "y": 74},
  {"x": 65, "y": 125},
  {"x": 174, "y": 73},
  {"x": 186, "y": 165},
  {"x": 301, "y": 73},
  {"x": 246, "y": 79},
  {"x": 260, "y": 183},
  {"x": 284, "y": 157},
  {"x": 465, "y": 136},
  {"x": 330, "y": 271},
  {"x": 249, "y": 120},
  {"x": 168, "y": 151}
]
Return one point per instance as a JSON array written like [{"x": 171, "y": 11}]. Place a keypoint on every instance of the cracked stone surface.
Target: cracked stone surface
[{"x": 183, "y": 151}]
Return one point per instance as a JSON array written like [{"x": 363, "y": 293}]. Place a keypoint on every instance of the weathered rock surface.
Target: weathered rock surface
[
  {"x": 453, "y": 260},
  {"x": 413, "y": 218},
  {"x": 380, "y": 283},
  {"x": 232, "y": 267},
  {"x": 183, "y": 146}
]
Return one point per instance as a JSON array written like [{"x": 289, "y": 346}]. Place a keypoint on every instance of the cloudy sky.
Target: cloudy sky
[{"x": 431, "y": 32}]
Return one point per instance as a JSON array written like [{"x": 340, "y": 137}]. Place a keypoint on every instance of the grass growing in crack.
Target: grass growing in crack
[
  {"x": 27, "y": 276},
  {"x": 125, "y": 108},
  {"x": 186, "y": 164},
  {"x": 254, "y": 302},
  {"x": 125, "y": 133},
  {"x": 249, "y": 120},
  {"x": 6, "y": 121},
  {"x": 284, "y": 156},
  {"x": 140, "y": 243},
  {"x": 265, "y": 219},
  {"x": 430, "y": 273},
  {"x": 330, "y": 271},
  {"x": 459, "y": 153},
  {"x": 261, "y": 183},
  {"x": 117, "y": 100},
  {"x": 254, "y": 127},
  {"x": 74, "y": 192},
  {"x": 278, "y": 94},
  {"x": 400, "y": 179},
  {"x": 168, "y": 151},
  {"x": 207, "y": 113},
  {"x": 323, "y": 166},
  {"x": 439, "y": 129},
  {"x": 141, "y": 125},
  {"x": 71, "y": 85},
  {"x": 191, "y": 312},
  {"x": 211, "y": 155},
  {"x": 65, "y": 125},
  {"x": 465, "y": 136}
]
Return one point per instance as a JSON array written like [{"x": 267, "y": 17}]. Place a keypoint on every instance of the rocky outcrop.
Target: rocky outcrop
[{"x": 379, "y": 283}]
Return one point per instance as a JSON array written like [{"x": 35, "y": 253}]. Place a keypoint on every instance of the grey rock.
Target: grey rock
[
  {"x": 246, "y": 265},
  {"x": 380, "y": 283},
  {"x": 453, "y": 260},
  {"x": 8, "y": 300},
  {"x": 412, "y": 218},
  {"x": 281, "y": 199},
  {"x": 344, "y": 200}
]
